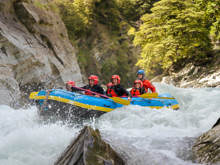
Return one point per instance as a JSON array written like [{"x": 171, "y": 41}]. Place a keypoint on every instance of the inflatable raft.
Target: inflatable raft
[{"x": 70, "y": 104}]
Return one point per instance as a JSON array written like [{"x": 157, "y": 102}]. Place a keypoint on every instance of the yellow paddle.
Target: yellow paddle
[
  {"x": 149, "y": 95},
  {"x": 154, "y": 95},
  {"x": 120, "y": 100},
  {"x": 33, "y": 95},
  {"x": 145, "y": 95}
]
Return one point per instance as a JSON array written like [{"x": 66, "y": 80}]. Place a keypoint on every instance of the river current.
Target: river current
[{"x": 141, "y": 135}]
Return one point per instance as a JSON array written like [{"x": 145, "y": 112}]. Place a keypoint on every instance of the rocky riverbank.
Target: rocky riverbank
[{"x": 192, "y": 76}]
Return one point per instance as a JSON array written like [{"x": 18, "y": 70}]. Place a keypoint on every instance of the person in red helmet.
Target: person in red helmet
[
  {"x": 69, "y": 85},
  {"x": 116, "y": 89},
  {"x": 146, "y": 83},
  {"x": 138, "y": 88},
  {"x": 93, "y": 86}
]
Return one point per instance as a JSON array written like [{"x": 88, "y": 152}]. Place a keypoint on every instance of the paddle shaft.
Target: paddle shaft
[
  {"x": 91, "y": 92},
  {"x": 105, "y": 95},
  {"x": 115, "y": 99}
]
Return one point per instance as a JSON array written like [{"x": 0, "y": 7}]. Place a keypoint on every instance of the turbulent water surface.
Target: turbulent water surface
[{"x": 142, "y": 136}]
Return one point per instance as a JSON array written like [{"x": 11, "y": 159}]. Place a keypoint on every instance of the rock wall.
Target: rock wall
[{"x": 35, "y": 51}]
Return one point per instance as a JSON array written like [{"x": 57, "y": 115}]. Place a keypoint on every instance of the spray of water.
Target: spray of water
[
  {"x": 141, "y": 135},
  {"x": 24, "y": 140}
]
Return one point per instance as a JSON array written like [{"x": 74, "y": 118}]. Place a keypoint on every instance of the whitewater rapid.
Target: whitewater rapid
[{"x": 142, "y": 136}]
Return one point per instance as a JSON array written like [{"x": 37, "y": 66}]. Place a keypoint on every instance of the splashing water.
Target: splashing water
[
  {"x": 141, "y": 135},
  {"x": 162, "y": 137},
  {"x": 25, "y": 141}
]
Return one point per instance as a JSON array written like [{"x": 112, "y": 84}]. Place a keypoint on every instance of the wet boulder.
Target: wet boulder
[
  {"x": 89, "y": 149},
  {"x": 207, "y": 146}
]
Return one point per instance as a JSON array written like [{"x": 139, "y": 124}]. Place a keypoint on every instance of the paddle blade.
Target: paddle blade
[
  {"x": 149, "y": 95},
  {"x": 32, "y": 95},
  {"x": 120, "y": 100}
]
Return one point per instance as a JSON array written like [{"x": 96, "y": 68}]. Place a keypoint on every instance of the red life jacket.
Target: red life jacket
[
  {"x": 135, "y": 92},
  {"x": 88, "y": 93},
  {"x": 112, "y": 92},
  {"x": 147, "y": 85},
  {"x": 108, "y": 91}
]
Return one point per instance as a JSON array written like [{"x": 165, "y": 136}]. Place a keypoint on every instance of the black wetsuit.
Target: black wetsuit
[{"x": 96, "y": 88}]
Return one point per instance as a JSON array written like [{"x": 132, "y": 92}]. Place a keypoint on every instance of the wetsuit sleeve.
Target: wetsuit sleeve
[
  {"x": 123, "y": 91},
  {"x": 78, "y": 90},
  {"x": 147, "y": 85},
  {"x": 97, "y": 89},
  {"x": 100, "y": 90}
]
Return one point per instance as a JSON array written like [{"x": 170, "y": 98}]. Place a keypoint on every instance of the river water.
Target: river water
[{"x": 141, "y": 135}]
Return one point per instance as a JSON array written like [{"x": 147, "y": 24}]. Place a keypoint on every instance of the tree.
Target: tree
[
  {"x": 212, "y": 13},
  {"x": 132, "y": 10},
  {"x": 175, "y": 30}
]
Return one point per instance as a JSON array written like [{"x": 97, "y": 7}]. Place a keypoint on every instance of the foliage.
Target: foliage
[
  {"x": 212, "y": 12},
  {"x": 76, "y": 26},
  {"x": 80, "y": 16},
  {"x": 175, "y": 30},
  {"x": 132, "y": 10},
  {"x": 84, "y": 9},
  {"x": 46, "y": 6},
  {"x": 215, "y": 30}
]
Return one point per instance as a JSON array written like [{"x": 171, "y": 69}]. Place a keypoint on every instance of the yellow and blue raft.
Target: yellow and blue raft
[{"x": 58, "y": 99}]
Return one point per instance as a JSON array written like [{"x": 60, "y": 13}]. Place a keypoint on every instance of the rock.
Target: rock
[
  {"x": 89, "y": 149},
  {"x": 193, "y": 76},
  {"x": 217, "y": 123},
  {"x": 35, "y": 51},
  {"x": 207, "y": 146}
]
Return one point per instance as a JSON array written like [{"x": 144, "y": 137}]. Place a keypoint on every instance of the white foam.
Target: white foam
[
  {"x": 164, "y": 136},
  {"x": 25, "y": 141}
]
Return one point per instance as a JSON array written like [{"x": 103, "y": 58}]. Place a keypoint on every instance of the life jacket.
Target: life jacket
[
  {"x": 88, "y": 93},
  {"x": 147, "y": 85},
  {"x": 108, "y": 91},
  {"x": 112, "y": 92},
  {"x": 135, "y": 92}
]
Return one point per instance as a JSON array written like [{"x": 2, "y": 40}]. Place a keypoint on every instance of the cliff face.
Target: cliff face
[{"x": 35, "y": 51}]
